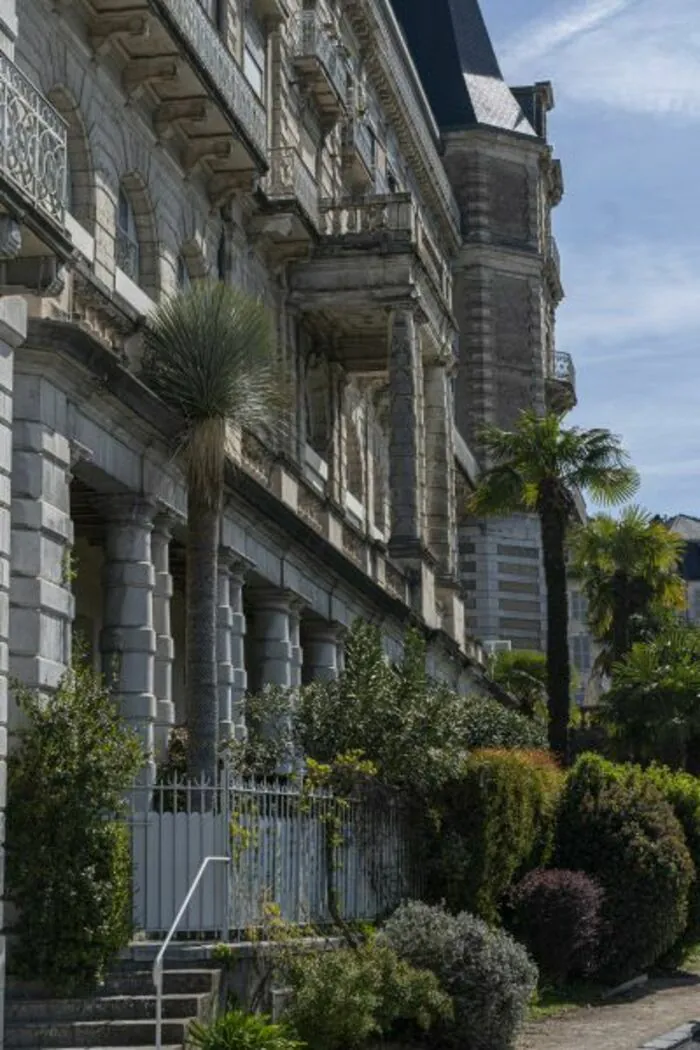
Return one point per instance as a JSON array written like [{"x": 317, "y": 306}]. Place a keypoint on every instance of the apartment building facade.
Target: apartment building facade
[{"x": 305, "y": 151}]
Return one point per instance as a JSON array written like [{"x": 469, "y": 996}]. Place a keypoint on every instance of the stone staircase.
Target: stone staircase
[{"x": 121, "y": 1014}]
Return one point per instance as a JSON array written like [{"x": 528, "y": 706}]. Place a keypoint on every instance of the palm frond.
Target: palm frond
[{"x": 500, "y": 491}]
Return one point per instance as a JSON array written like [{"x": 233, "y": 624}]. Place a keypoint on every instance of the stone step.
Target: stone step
[
  {"x": 104, "y": 1008},
  {"x": 25, "y": 1036},
  {"x": 175, "y": 982}
]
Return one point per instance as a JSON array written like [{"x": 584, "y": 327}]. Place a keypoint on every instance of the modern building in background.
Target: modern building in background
[
  {"x": 363, "y": 169},
  {"x": 689, "y": 528}
]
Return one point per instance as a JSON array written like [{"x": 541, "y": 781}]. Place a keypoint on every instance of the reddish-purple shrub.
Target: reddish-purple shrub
[{"x": 557, "y": 916}]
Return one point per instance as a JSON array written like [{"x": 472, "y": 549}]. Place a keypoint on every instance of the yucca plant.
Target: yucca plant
[
  {"x": 538, "y": 468},
  {"x": 238, "y": 1030},
  {"x": 209, "y": 353}
]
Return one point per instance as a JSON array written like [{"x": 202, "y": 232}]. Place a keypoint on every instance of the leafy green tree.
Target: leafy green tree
[
  {"x": 628, "y": 569},
  {"x": 209, "y": 354},
  {"x": 68, "y": 862},
  {"x": 523, "y": 674},
  {"x": 538, "y": 468},
  {"x": 652, "y": 710}
]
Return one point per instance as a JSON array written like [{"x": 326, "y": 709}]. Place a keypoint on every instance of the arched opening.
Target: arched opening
[
  {"x": 80, "y": 182},
  {"x": 136, "y": 240}
]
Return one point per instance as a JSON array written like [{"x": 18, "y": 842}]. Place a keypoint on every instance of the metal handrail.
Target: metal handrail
[{"x": 158, "y": 964}]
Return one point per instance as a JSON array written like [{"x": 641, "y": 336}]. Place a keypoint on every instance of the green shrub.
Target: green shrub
[
  {"x": 489, "y": 977},
  {"x": 68, "y": 863},
  {"x": 615, "y": 825},
  {"x": 342, "y": 998},
  {"x": 237, "y": 1030},
  {"x": 682, "y": 792},
  {"x": 495, "y": 823},
  {"x": 488, "y": 724}
]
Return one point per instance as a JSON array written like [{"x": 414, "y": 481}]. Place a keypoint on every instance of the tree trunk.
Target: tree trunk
[
  {"x": 201, "y": 596},
  {"x": 620, "y": 618},
  {"x": 553, "y": 529}
]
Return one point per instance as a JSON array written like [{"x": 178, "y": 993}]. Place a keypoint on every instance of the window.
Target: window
[
  {"x": 127, "y": 246},
  {"x": 579, "y": 607},
  {"x": 581, "y": 652},
  {"x": 254, "y": 46},
  {"x": 391, "y": 181}
]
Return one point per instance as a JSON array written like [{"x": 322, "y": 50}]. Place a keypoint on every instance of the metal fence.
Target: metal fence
[{"x": 287, "y": 846}]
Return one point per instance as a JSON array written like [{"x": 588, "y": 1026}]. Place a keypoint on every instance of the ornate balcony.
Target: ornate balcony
[
  {"x": 359, "y": 151},
  {"x": 174, "y": 60},
  {"x": 32, "y": 144},
  {"x": 553, "y": 268},
  {"x": 561, "y": 383},
  {"x": 321, "y": 65},
  {"x": 290, "y": 188}
]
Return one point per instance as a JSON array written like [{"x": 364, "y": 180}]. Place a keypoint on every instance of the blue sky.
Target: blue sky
[{"x": 626, "y": 76}]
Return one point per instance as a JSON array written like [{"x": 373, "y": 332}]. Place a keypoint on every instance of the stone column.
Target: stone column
[
  {"x": 41, "y": 600},
  {"x": 295, "y": 640},
  {"x": 274, "y": 641},
  {"x": 441, "y": 524},
  {"x": 128, "y": 641},
  {"x": 231, "y": 629},
  {"x": 405, "y": 424},
  {"x": 13, "y": 331},
  {"x": 322, "y": 644},
  {"x": 165, "y": 646}
]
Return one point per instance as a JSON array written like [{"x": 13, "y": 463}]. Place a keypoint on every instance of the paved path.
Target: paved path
[{"x": 625, "y": 1024}]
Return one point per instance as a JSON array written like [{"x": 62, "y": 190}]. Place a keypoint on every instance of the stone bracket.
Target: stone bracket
[
  {"x": 206, "y": 149},
  {"x": 140, "y": 72},
  {"x": 43, "y": 275},
  {"x": 108, "y": 28},
  {"x": 169, "y": 114}
]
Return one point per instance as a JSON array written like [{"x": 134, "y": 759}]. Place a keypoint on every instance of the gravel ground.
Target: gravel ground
[{"x": 623, "y": 1024}]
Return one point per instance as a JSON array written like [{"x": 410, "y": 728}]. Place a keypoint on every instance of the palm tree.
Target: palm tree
[
  {"x": 209, "y": 354},
  {"x": 628, "y": 568},
  {"x": 539, "y": 468}
]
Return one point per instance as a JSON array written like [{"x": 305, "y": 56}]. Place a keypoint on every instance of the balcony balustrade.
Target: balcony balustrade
[
  {"x": 33, "y": 138},
  {"x": 320, "y": 62},
  {"x": 561, "y": 382}
]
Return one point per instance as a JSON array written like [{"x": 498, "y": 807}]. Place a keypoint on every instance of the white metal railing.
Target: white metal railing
[
  {"x": 33, "y": 141},
  {"x": 563, "y": 368},
  {"x": 227, "y": 75},
  {"x": 289, "y": 178},
  {"x": 357, "y": 136},
  {"x": 158, "y": 964}
]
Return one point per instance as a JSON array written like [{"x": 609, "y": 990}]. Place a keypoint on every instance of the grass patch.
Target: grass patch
[{"x": 551, "y": 1002}]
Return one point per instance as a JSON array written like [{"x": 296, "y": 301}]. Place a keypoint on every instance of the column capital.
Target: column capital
[
  {"x": 237, "y": 564},
  {"x": 129, "y": 508},
  {"x": 266, "y": 596},
  {"x": 164, "y": 521}
]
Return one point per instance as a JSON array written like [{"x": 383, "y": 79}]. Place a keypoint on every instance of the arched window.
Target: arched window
[
  {"x": 127, "y": 247},
  {"x": 80, "y": 181}
]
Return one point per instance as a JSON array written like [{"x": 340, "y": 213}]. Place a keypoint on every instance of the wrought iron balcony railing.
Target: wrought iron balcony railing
[
  {"x": 290, "y": 179},
  {"x": 227, "y": 76},
  {"x": 554, "y": 253},
  {"x": 564, "y": 369},
  {"x": 314, "y": 42},
  {"x": 357, "y": 136},
  {"x": 33, "y": 138}
]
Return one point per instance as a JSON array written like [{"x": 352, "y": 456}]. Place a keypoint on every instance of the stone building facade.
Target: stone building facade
[{"x": 300, "y": 150}]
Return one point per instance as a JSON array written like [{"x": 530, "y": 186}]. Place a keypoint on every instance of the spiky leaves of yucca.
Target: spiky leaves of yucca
[
  {"x": 538, "y": 468},
  {"x": 209, "y": 353}
]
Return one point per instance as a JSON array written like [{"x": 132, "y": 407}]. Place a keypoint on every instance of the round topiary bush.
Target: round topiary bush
[
  {"x": 489, "y": 977},
  {"x": 557, "y": 915},
  {"x": 615, "y": 825}
]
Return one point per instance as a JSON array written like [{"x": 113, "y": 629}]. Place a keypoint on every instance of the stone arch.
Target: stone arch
[
  {"x": 134, "y": 188},
  {"x": 80, "y": 191}
]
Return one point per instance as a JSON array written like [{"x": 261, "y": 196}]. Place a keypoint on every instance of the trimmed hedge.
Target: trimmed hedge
[
  {"x": 495, "y": 822},
  {"x": 557, "y": 915},
  {"x": 489, "y": 976},
  {"x": 615, "y": 825},
  {"x": 682, "y": 792}
]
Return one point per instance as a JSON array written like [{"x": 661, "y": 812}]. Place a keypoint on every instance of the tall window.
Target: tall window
[
  {"x": 254, "y": 47},
  {"x": 127, "y": 247}
]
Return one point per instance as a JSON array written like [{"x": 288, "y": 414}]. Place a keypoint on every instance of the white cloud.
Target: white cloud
[{"x": 637, "y": 55}]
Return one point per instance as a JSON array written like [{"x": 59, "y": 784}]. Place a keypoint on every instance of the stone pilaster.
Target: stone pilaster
[
  {"x": 440, "y": 474},
  {"x": 41, "y": 601},
  {"x": 128, "y": 641},
  {"x": 165, "y": 646},
  {"x": 13, "y": 330},
  {"x": 405, "y": 394},
  {"x": 230, "y": 635},
  {"x": 322, "y": 643}
]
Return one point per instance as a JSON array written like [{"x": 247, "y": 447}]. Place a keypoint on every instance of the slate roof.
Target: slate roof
[{"x": 456, "y": 61}]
